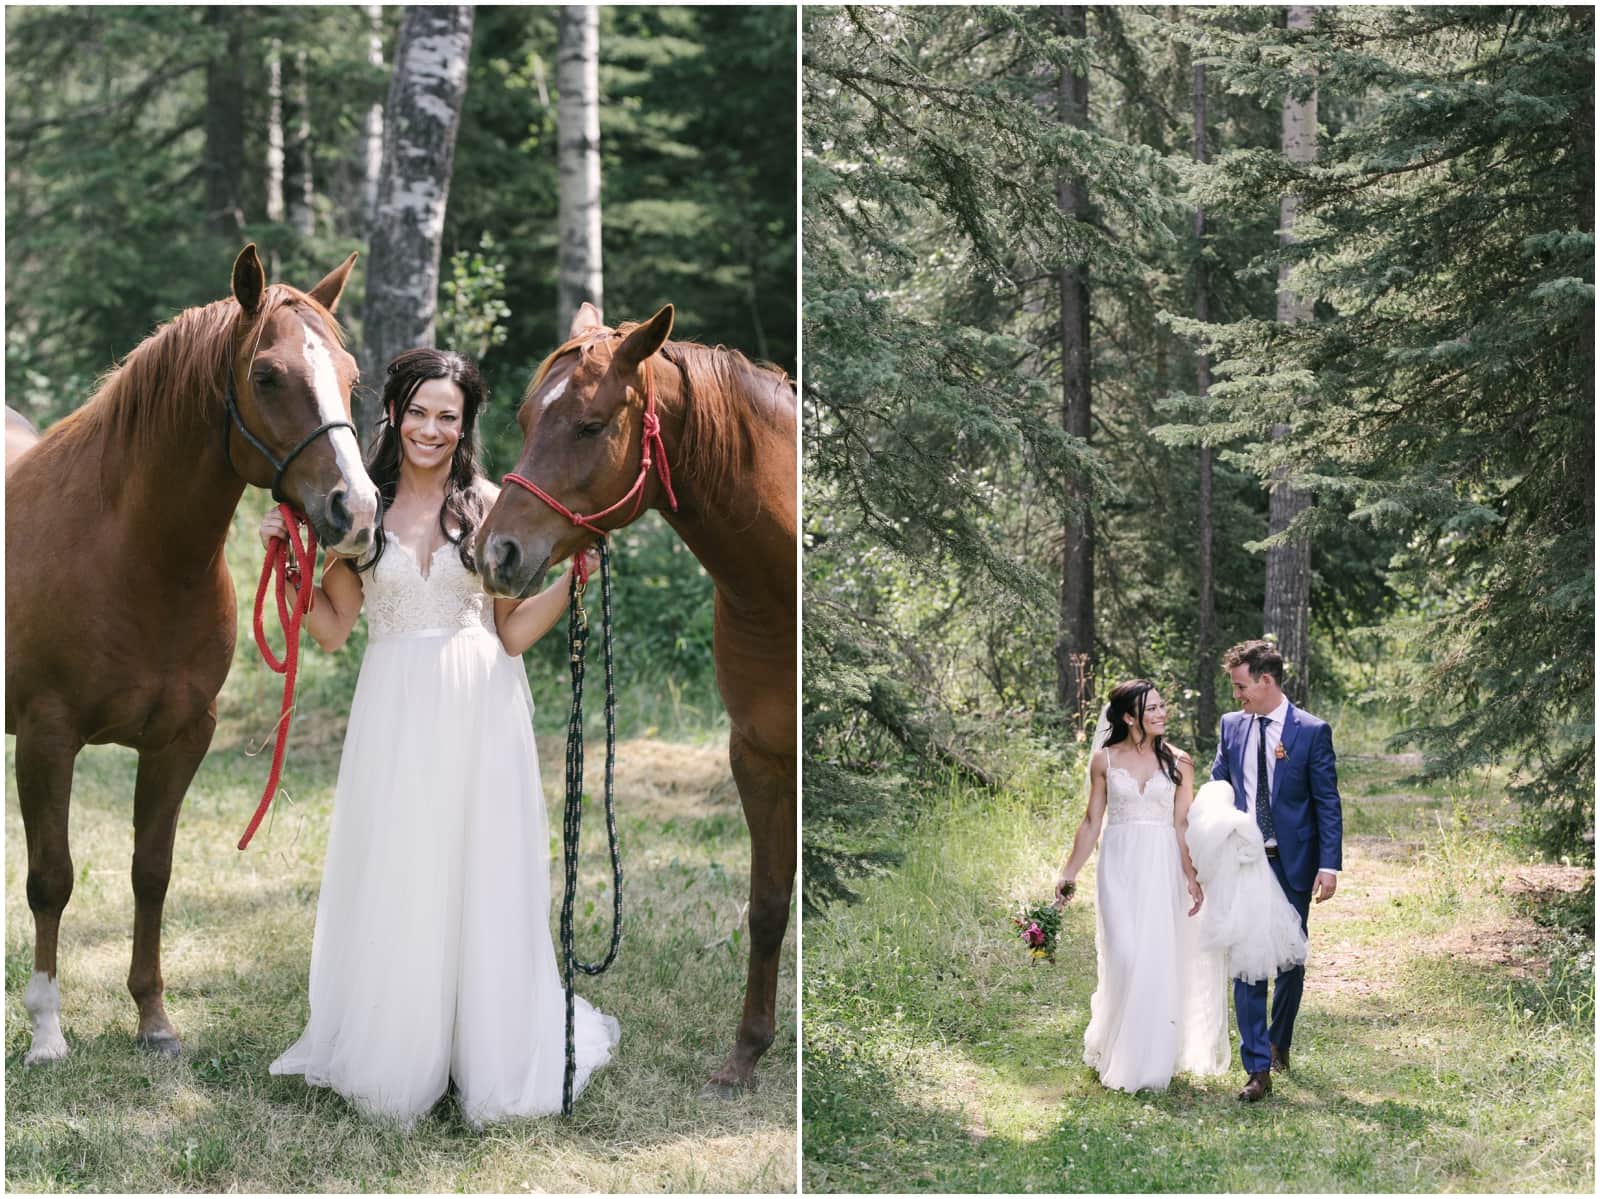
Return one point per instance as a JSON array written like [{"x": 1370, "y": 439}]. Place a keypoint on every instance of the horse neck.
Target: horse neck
[
  {"x": 745, "y": 536},
  {"x": 178, "y": 495}
]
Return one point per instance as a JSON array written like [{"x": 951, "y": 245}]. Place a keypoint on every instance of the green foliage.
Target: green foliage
[
  {"x": 471, "y": 310},
  {"x": 1450, "y": 371}
]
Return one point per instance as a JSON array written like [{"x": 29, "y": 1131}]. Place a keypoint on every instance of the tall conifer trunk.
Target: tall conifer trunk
[
  {"x": 224, "y": 125},
  {"x": 1205, "y": 640},
  {"x": 1286, "y": 615},
  {"x": 298, "y": 184},
  {"x": 1075, "y": 634},
  {"x": 578, "y": 141}
]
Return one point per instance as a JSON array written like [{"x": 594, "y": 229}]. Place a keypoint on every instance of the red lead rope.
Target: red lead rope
[{"x": 286, "y": 569}]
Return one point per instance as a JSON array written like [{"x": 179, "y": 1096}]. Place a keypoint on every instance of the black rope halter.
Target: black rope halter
[
  {"x": 577, "y": 641},
  {"x": 260, "y": 447}
]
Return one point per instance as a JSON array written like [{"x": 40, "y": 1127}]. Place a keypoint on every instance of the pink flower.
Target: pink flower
[{"x": 1033, "y": 935}]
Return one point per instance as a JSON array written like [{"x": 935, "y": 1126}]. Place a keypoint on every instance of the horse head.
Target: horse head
[
  {"x": 288, "y": 397},
  {"x": 590, "y": 440}
]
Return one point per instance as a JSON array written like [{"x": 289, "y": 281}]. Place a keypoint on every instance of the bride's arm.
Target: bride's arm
[
  {"x": 522, "y": 622},
  {"x": 1088, "y": 830},
  {"x": 1180, "y": 822}
]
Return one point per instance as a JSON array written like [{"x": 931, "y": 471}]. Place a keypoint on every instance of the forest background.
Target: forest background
[
  {"x": 144, "y": 148},
  {"x": 1075, "y": 412},
  {"x": 1131, "y": 333}
]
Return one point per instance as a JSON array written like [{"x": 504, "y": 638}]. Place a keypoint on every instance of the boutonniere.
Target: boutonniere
[{"x": 1281, "y": 753}]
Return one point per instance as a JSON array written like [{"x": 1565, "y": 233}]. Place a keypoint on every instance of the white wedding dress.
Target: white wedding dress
[
  {"x": 432, "y": 959},
  {"x": 1161, "y": 1005}
]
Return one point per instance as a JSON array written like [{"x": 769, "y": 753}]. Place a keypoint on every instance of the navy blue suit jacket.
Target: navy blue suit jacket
[{"x": 1305, "y": 792}]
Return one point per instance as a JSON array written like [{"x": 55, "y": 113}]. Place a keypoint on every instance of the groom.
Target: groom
[{"x": 1281, "y": 765}]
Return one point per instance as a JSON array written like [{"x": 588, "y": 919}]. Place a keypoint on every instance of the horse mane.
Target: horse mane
[
  {"x": 174, "y": 379},
  {"x": 718, "y": 428}
]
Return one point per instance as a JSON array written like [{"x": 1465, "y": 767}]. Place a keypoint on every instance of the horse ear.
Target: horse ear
[
  {"x": 249, "y": 280},
  {"x": 646, "y": 339},
  {"x": 585, "y": 320},
  {"x": 327, "y": 292}
]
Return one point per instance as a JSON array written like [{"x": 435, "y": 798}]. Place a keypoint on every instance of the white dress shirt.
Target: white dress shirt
[{"x": 1274, "y": 731}]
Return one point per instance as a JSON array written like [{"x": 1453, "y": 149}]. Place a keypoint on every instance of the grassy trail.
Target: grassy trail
[
  {"x": 1432, "y": 1052},
  {"x": 237, "y": 945}
]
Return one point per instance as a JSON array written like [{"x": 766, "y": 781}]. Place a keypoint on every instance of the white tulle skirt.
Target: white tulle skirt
[
  {"x": 1160, "y": 1005},
  {"x": 1246, "y": 915},
  {"x": 432, "y": 958}
]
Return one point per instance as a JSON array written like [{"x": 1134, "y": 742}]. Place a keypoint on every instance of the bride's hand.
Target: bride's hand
[
  {"x": 1196, "y": 894},
  {"x": 1065, "y": 889},
  {"x": 272, "y": 526}
]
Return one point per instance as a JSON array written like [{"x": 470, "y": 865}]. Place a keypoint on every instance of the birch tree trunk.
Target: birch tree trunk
[
  {"x": 374, "y": 123},
  {"x": 578, "y": 140},
  {"x": 224, "y": 125},
  {"x": 274, "y": 164},
  {"x": 1075, "y": 633},
  {"x": 1286, "y": 614},
  {"x": 1205, "y": 641},
  {"x": 419, "y": 141}
]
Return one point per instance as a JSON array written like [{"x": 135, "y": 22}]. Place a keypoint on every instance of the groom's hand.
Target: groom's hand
[{"x": 1327, "y": 883}]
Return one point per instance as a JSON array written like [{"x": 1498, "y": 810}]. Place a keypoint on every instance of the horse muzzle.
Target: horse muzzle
[
  {"x": 345, "y": 518},
  {"x": 510, "y": 569}
]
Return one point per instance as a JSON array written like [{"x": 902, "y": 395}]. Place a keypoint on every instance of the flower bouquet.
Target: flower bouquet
[{"x": 1037, "y": 926}]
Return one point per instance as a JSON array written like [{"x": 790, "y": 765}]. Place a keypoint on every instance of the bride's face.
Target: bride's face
[
  {"x": 1155, "y": 715},
  {"x": 430, "y": 427}
]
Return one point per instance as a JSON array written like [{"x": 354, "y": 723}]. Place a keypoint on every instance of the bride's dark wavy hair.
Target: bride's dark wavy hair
[
  {"x": 463, "y": 499},
  {"x": 1129, "y": 699}
]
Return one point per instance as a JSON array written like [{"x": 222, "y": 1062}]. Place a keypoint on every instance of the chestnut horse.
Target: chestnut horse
[
  {"x": 119, "y": 607},
  {"x": 727, "y": 428}
]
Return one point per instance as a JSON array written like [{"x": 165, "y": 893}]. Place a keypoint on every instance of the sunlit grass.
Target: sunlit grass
[{"x": 1432, "y": 1052}]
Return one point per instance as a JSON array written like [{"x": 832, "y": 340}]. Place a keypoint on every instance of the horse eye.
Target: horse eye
[{"x": 591, "y": 428}]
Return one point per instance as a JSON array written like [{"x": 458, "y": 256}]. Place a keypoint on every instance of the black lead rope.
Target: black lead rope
[{"x": 577, "y": 641}]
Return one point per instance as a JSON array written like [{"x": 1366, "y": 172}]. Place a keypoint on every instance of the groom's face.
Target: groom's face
[{"x": 1256, "y": 696}]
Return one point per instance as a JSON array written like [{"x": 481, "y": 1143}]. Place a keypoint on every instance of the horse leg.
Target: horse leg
[
  {"x": 164, "y": 777},
  {"x": 44, "y": 789},
  {"x": 767, "y": 792}
]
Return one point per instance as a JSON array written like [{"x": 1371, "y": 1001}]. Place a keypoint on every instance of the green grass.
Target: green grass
[
  {"x": 236, "y": 951},
  {"x": 1444, "y": 1043}
]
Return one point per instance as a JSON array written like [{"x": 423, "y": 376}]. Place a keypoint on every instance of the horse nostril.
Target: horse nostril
[
  {"x": 505, "y": 556},
  {"x": 339, "y": 518}
]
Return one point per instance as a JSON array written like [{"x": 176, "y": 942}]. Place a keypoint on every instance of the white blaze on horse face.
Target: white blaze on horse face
[
  {"x": 346, "y": 451},
  {"x": 554, "y": 394},
  {"x": 43, "y": 1001}
]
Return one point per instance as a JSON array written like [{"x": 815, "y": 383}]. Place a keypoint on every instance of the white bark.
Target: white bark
[
  {"x": 426, "y": 92},
  {"x": 275, "y": 131},
  {"x": 578, "y": 140},
  {"x": 374, "y": 122}
]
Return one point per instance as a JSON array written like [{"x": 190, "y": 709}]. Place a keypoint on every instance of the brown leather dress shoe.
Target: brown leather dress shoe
[
  {"x": 1280, "y": 1060},
  {"x": 1258, "y": 1088}
]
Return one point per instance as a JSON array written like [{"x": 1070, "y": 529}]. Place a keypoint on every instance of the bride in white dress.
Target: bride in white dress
[
  {"x": 1160, "y": 1004},
  {"x": 432, "y": 960}
]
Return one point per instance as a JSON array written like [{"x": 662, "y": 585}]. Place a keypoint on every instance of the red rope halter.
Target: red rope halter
[
  {"x": 652, "y": 451},
  {"x": 286, "y": 569}
]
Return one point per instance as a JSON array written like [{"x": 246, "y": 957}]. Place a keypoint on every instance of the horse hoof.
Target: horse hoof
[
  {"x": 163, "y": 1044},
  {"x": 724, "y": 1092},
  {"x": 40, "y": 1055}
]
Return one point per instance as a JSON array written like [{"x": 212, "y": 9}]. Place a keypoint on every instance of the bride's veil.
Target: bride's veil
[{"x": 1102, "y": 734}]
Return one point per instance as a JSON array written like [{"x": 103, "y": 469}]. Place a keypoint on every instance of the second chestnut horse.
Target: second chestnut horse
[{"x": 598, "y": 418}]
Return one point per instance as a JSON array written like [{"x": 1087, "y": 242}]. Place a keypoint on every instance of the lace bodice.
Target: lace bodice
[
  {"x": 1128, "y": 803},
  {"x": 399, "y": 600}
]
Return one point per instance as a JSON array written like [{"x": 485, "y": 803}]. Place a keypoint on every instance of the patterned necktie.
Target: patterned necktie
[{"x": 1263, "y": 802}]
